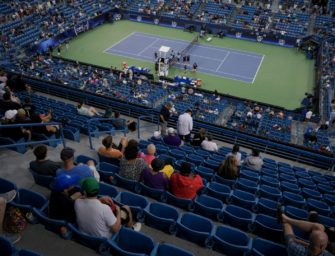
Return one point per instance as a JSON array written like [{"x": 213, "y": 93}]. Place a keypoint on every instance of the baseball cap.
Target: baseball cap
[
  {"x": 65, "y": 181},
  {"x": 10, "y": 114},
  {"x": 66, "y": 154},
  {"x": 170, "y": 130},
  {"x": 90, "y": 186}
]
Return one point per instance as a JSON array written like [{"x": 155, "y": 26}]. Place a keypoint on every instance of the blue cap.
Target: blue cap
[{"x": 65, "y": 181}]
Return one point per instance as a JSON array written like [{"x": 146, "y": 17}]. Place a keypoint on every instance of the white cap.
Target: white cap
[
  {"x": 249, "y": 114},
  {"x": 10, "y": 114},
  {"x": 170, "y": 130},
  {"x": 157, "y": 134}
]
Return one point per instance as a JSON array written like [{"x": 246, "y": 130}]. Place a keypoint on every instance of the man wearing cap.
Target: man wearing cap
[
  {"x": 164, "y": 117},
  {"x": 63, "y": 196},
  {"x": 15, "y": 133},
  {"x": 185, "y": 125},
  {"x": 82, "y": 170},
  {"x": 172, "y": 138},
  {"x": 94, "y": 217}
]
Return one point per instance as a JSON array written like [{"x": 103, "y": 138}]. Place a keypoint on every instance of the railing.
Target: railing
[
  {"x": 32, "y": 142},
  {"x": 153, "y": 122}
]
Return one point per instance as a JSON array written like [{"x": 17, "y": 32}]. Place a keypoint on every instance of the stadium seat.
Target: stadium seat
[
  {"x": 106, "y": 171},
  {"x": 193, "y": 158},
  {"x": 205, "y": 172},
  {"x": 84, "y": 159},
  {"x": 231, "y": 241},
  {"x": 158, "y": 194},
  {"x": 7, "y": 248},
  {"x": 267, "y": 227},
  {"x": 218, "y": 190},
  {"x": 162, "y": 217},
  {"x": 269, "y": 181},
  {"x": 6, "y": 185},
  {"x": 196, "y": 229},
  {"x": 269, "y": 192},
  {"x": 238, "y": 217},
  {"x": 318, "y": 206},
  {"x": 267, "y": 206},
  {"x": 136, "y": 203},
  {"x": 183, "y": 203},
  {"x": 290, "y": 187},
  {"x": 296, "y": 213},
  {"x": 108, "y": 190},
  {"x": 327, "y": 221},
  {"x": 140, "y": 245},
  {"x": 165, "y": 249},
  {"x": 26, "y": 200},
  {"x": 224, "y": 181},
  {"x": 42, "y": 180},
  {"x": 177, "y": 154},
  {"x": 329, "y": 199},
  {"x": 214, "y": 165},
  {"x": 324, "y": 189},
  {"x": 246, "y": 185},
  {"x": 306, "y": 183},
  {"x": 25, "y": 252},
  {"x": 208, "y": 207},
  {"x": 262, "y": 247},
  {"x": 243, "y": 199},
  {"x": 311, "y": 193},
  {"x": 249, "y": 174},
  {"x": 296, "y": 200},
  {"x": 128, "y": 184},
  {"x": 109, "y": 160}
]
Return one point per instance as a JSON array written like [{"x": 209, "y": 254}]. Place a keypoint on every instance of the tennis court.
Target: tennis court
[{"x": 223, "y": 62}]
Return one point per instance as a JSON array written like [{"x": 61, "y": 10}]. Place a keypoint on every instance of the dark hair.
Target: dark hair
[
  {"x": 235, "y": 149},
  {"x": 80, "y": 104},
  {"x": 157, "y": 164},
  {"x": 132, "y": 143},
  {"x": 116, "y": 114},
  {"x": 255, "y": 152},
  {"x": 107, "y": 141},
  {"x": 40, "y": 152},
  {"x": 130, "y": 152},
  {"x": 209, "y": 137},
  {"x": 27, "y": 100},
  {"x": 168, "y": 161},
  {"x": 6, "y": 96},
  {"x": 228, "y": 168},
  {"x": 185, "y": 168}
]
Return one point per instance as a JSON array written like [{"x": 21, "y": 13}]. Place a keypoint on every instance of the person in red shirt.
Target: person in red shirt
[{"x": 185, "y": 184}]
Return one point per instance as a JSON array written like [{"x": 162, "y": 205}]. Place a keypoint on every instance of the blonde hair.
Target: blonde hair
[{"x": 151, "y": 149}]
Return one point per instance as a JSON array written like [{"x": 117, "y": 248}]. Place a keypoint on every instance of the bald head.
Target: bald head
[{"x": 318, "y": 241}]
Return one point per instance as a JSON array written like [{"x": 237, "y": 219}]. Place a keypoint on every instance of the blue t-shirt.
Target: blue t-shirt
[{"x": 83, "y": 171}]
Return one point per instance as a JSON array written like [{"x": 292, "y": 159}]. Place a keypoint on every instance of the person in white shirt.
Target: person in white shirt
[
  {"x": 235, "y": 152},
  {"x": 185, "y": 125},
  {"x": 309, "y": 115},
  {"x": 209, "y": 145},
  {"x": 87, "y": 111}
]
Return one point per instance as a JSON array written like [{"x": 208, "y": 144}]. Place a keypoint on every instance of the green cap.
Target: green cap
[{"x": 90, "y": 186}]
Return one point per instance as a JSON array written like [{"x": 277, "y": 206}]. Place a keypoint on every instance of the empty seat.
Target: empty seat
[
  {"x": 248, "y": 174},
  {"x": 208, "y": 206},
  {"x": 205, "y": 172},
  {"x": 178, "y": 154},
  {"x": 287, "y": 186},
  {"x": 214, "y": 165},
  {"x": 231, "y": 241},
  {"x": 267, "y": 206},
  {"x": 193, "y": 158},
  {"x": 162, "y": 217},
  {"x": 110, "y": 160},
  {"x": 267, "y": 227},
  {"x": 329, "y": 199},
  {"x": 218, "y": 190},
  {"x": 269, "y": 181},
  {"x": 243, "y": 199},
  {"x": 27, "y": 200},
  {"x": 125, "y": 183},
  {"x": 6, "y": 185},
  {"x": 296, "y": 213},
  {"x": 158, "y": 194},
  {"x": 183, "y": 203},
  {"x": 224, "y": 181},
  {"x": 238, "y": 217},
  {"x": 165, "y": 249},
  {"x": 246, "y": 185},
  {"x": 196, "y": 229},
  {"x": 318, "y": 206},
  {"x": 324, "y": 189},
  {"x": 288, "y": 178},
  {"x": 262, "y": 247},
  {"x": 293, "y": 199},
  {"x": 311, "y": 193},
  {"x": 120, "y": 244},
  {"x": 269, "y": 192},
  {"x": 107, "y": 190},
  {"x": 305, "y": 183}
]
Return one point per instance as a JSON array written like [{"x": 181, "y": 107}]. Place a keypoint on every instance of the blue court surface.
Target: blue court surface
[{"x": 229, "y": 63}]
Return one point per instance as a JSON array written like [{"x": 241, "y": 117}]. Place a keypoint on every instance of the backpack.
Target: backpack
[{"x": 15, "y": 221}]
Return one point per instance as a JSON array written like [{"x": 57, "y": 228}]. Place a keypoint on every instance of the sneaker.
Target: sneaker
[
  {"x": 137, "y": 226},
  {"x": 9, "y": 196},
  {"x": 13, "y": 238}
]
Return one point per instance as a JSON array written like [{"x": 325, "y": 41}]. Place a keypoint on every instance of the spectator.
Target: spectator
[
  {"x": 153, "y": 177},
  {"x": 199, "y": 137},
  {"x": 185, "y": 125},
  {"x": 29, "y": 107},
  {"x": 7, "y": 103},
  {"x": 318, "y": 239},
  {"x": 229, "y": 168},
  {"x": 254, "y": 161},
  {"x": 121, "y": 124},
  {"x": 235, "y": 152},
  {"x": 172, "y": 138},
  {"x": 209, "y": 145},
  {"x": 168, "y": 167},
  {"x": 42, "y": 165},
  {"x": 4, "y": 199},
  {"x": 62, "y": 198},
  {"x": 109, "y": 149},
  {"x": 131, "y": 166},
  {"x": 82, "y": 170},
  {"x": 87, "y": 111},
  {"x": 185, "y": 184},
  {"x": 164, "y": 117},
  {"x": 14, "y": 133},
  {"x": 157, "y": 136},
  {"x": 151, "y": 151},
  {"x": 47, "y": 130}
]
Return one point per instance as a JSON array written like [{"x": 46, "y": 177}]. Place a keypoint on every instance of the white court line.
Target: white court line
[
  {"x": 121, "y": 40},
  {"x": 150, "y": 45},
  {"x": 259, "y": 66},
  {"x": 224, "y": 59}
]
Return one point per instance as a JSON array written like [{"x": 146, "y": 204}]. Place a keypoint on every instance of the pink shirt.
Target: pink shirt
[{"x": 147, "y": 158}]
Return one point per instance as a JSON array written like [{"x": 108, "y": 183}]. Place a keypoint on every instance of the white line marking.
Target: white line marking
[
  {"x": 150, "y": 45},
  {"x": 224, "y": 59},
  {"x": 118, "y": 42},
  {"x": 259, "y": 66}
]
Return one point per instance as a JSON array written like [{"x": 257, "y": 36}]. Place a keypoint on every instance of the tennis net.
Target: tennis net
[{"x": 187, "y": 49}]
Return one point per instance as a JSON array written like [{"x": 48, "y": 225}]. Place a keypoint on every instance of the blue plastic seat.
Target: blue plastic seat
[
  {"x": 196, "y": 229},
  {"x": 162, "y": 217},
  {"x": 106, "y": 171},
  {"x": 248, "y": 174},
  {"x": 217, "y": 157},
  {"x": 187, "y": 149},
  {"x": 218, "y": 190},
  {"x": 158, "y": 194},
  {"x": 327, "y": 221},
  {"x": 6, "y": 185},
  {"x": 128, "y": 184},
  {"x": 296, "y": 200},
  {"x": 208, "y": 207},
  {"x": 329, "y": 199},
  {"x": 136, "y": 203},
  {"x": 311, "y": 193},
  {"x": 161, "y": 149},
  {"x": 262, "y": 247},
  {"x": 238, "y": 217},
  {"x": 167, "y": 157},
  {"x": 108, "y": 190},
  {"x": 183, "y": 203},
  {"x": 84, "y": 159},
  {"x": 324, "y": 189},
  {"x": 205, "y": 172},
  {"x": 306, "y": 183},
  {"x": 269, "y": 192},
  {"x": 193, "y": 158},
  {"x": 296, "y": 213},
  {"x": 320, "y": 180},
  {"x": 93, "y": 242},
  {"x": 286, "y": 170},
  {"x": 302, "y": 174},
  {"x": 42, "y": 180},
  {"x": 120, "y": 244},
  {"x": 287, "y": 178},
  {"x": 165, "y": 249},
  {"x": 214, "y": 165},
  {"x": 7, "y": 248},
  {"x": 243, "y": 199},
  {"x": 224, "y": 181},
  {"x": 267, "y": 206},
  {"x": 290, "y": 187},
  {"x": 267, "y": 227},
  {"x": 246, "y": 185},
  {"x": 269, "y": 181},
  {"x": 269, "y": 172},
  {"x": 318, "y": 206},
  {"x": 203, "y": 153},
  {"x": 25, "y": 252},
  {"x": 231, "y": 241},
  {"x": 178, "y": 154},
  {"x": 27, "y": 200},
  {"x": 109, "y": 160}
]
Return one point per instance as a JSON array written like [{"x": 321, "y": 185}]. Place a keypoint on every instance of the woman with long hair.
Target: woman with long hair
[{"x": 229, "y": 168}]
